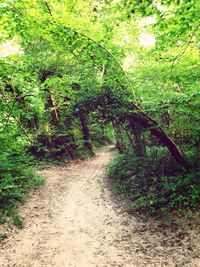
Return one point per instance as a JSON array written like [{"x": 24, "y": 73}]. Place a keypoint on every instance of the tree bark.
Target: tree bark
[
  {"x": 119, "y": 138},
  {"x": 50, "y": 106},
  {"x": 86, "y": 133},
  {"x": 141, "y": 118},
  {"x": 139, "y": 143}
]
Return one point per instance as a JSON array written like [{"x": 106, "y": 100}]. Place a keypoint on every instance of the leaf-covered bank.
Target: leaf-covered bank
[{"x": 154, "y": 184}]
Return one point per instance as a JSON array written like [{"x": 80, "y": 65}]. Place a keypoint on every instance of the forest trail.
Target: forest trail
[{"x": 73, "y": 221}]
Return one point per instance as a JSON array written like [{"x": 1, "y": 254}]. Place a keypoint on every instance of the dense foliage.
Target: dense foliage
[
  {"x": 155, "y": 183},
  {"x": 73, "y": 73}
]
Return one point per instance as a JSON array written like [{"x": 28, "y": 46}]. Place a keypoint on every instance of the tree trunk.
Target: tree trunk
[
  {"x": 139, "y": 143},
  {"x": 50, "y": 106},
  {"x": 50, "y": 101},
  {"x": 141, "y": 118},
  {"x": 119, "y": 138},
  {"x": 86, "y": 133}
]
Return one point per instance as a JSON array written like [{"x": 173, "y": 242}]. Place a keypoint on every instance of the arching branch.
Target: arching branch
[{"x": 101, "y": 46}]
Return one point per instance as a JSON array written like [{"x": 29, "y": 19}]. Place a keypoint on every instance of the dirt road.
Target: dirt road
[{"x": 73, "y": 221}]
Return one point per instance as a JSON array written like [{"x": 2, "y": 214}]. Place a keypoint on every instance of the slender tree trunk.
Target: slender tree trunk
[
  {"x": 119, "y": 137},
  {"x": 130, "y": 137},
  {"x": 51, "y": 106},
  {"x": 86, "y": 133}
]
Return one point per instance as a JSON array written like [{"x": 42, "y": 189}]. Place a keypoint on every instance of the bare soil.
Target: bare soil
[{"x": 74, "y": 221}]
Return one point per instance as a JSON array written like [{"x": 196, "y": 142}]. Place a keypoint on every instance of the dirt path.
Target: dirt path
[{"x": 73, "y": 222}]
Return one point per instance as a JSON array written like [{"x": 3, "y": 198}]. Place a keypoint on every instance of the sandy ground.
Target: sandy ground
[{"x": 74, "y": 221}]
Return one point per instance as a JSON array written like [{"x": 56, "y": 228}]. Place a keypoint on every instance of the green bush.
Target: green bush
[
  {"x": 15, "y": 179},
  {"x": 155, "y": 183}
]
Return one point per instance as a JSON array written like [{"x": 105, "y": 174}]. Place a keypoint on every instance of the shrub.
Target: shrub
[
  {"x": 155, "y": 183},
  {"x": 15, "y": 179}
]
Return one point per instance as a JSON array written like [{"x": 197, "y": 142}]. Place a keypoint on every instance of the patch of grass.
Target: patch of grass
[
  {"x": 3, "y": 236},
  {"x": 38, "y": 181},
  {"x": 17, "y": 220}
]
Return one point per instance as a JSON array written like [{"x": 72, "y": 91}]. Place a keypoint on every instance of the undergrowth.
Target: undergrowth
[
  {"x": 155, "y": 184},
  {"x": 16, "y": 178}
]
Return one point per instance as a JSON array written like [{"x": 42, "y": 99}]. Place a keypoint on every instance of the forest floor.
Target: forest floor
[{"x": 75, "y": 221}]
